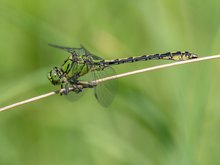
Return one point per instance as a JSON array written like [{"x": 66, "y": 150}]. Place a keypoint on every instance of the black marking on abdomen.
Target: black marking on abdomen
[
  {"x": 177, "y": 53},
  {"x": 168, "y": 54},
  {"x": 130, "y": 59},
  {"x": 156, "y": 56},
  {"x": 123, "y": 61},
  {"x": 165, "y": 56}
]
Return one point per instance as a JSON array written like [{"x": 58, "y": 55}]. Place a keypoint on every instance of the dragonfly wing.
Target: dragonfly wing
[
  {"x": 105, "y": 91},
  {"x": 74, "y": 50},
  {"x": 73, "y": 96},
  {"x": 94, "y": 57},
  {"x": 70, "y": 50}
]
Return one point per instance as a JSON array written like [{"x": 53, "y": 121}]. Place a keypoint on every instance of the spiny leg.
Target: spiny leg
[
  {"x": 76, "y": 87},
  {"x": 66, "y": 89}
]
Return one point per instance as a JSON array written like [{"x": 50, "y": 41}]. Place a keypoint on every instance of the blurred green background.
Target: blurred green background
[{"x": 164, "y": 117}]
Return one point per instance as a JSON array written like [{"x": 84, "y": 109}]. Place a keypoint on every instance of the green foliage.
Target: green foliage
[{"x": 165, "y": 117}]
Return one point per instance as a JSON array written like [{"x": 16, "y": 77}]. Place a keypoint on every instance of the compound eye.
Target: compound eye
[{"x": 55, "y": 76}]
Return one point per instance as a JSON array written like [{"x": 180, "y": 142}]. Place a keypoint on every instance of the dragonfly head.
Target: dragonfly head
[{"x": 55, "y": 76}]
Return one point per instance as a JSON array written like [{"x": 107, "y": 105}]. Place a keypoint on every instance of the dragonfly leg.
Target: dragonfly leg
[
  {"x": 86, "y": 84},
  {"x": 75, "y": 87},
  {"x": 61, "y": 87},
  {"x": 64, "y": 89},
  {"x": 78, "y": 88}
]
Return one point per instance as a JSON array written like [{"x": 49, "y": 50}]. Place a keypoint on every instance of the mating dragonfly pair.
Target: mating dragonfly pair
[{"x": 81, "y": 62}]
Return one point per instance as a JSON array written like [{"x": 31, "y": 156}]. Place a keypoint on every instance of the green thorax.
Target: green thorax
[{"x": 78, "y": 64}]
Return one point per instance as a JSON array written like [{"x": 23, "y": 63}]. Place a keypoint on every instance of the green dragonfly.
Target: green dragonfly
[{"x": 81, "y": 62}]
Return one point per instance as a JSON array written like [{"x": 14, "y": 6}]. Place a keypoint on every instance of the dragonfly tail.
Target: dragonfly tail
[{"x": 175, "y": 56}]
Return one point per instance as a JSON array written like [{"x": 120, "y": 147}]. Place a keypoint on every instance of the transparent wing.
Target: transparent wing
[
  {"x": 73, "y": 96},
  {"x": 94, "y": 57},
  {"x": 70, "y": 50},
  {"x": 73, "y": 50},
  {"x": 105, "y": 91}
]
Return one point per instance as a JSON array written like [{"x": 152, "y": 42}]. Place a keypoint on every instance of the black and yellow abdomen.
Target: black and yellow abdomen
[{"x": 175, "y": 56}]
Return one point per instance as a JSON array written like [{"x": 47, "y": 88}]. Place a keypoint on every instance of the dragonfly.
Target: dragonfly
[{"x": 80, "y": 62}]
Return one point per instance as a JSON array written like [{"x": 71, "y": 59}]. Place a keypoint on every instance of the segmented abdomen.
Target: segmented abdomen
[{"x": 176, "y": 56}]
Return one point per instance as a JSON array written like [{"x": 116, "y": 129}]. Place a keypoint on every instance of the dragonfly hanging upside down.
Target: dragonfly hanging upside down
[{"x": 81, "y": 62}]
